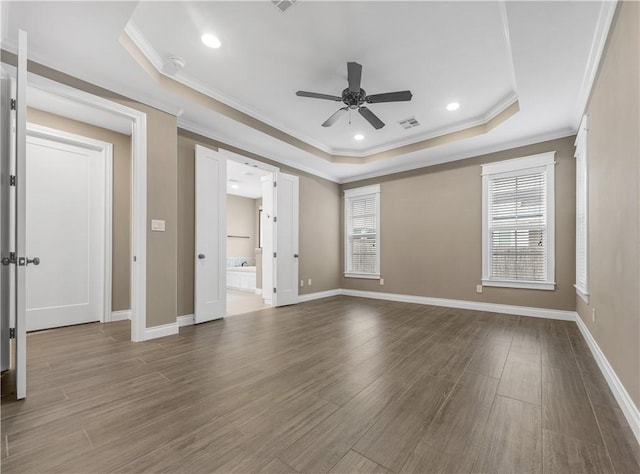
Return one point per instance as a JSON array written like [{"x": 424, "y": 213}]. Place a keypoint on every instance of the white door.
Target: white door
[
  {"x": 65, "y": 225},
  {"x": 286, "y": 240},
  {"x": 7, "y": 231},
  {"x": 267, "y": 239},
  {"x": 12, "y": 218},
  {"x": 210, "y": 243}
]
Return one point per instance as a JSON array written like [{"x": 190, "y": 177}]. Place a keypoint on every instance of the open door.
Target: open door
[
  {"x": 14, "y": 260},
  {"x": 286, "y": 245},
  {"x": 210, "y": 239},
  {"x": 7, "y": 160}
]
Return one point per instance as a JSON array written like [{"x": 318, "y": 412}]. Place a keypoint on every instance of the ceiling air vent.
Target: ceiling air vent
[
  {"x": 411, "y": 122},
  {"x": 283, "y": 5}
]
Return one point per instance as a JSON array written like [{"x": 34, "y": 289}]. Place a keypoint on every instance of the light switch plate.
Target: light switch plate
[{"x": 157, "y": 225}]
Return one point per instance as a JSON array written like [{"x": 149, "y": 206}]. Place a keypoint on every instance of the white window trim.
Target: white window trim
[
  {"x": 581, "y": 151},
  {"x": 355, "y": 192},
  {"x": 516, "y": 166}
]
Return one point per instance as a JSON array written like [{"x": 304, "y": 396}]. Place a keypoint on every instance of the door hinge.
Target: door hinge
[
  {"x": 274, "y": 290},
  {"x": 12, "y": 180},
  {"x": 275, "y": 184},
  {"x": 275, "y": 219},
  {"x": 11, "y": 259},
  {"x": 13, "y": 104},
  {"x": 12, "y": 333},
  {"x": 274, "y": 254}
]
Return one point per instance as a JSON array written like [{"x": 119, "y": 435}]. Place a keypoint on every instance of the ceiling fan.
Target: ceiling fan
[{"x": 354, "y": 96}]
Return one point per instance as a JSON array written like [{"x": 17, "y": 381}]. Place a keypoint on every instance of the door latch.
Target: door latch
[{"x": 11, "y": 259}]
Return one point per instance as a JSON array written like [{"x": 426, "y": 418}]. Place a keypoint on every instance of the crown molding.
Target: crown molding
[{"x": 603, "y": 25}]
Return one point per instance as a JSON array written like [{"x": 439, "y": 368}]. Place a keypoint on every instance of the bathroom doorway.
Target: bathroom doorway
[{"x": 247, "y": 209}]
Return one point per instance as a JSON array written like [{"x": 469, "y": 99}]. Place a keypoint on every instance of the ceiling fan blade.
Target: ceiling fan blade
[
  {"x": 334, "y": 118},
  {"x": 371, "y": 118},
  {"x": 315, "y": 95},
  {"x": 354, "y": 75},
  {"x": 399, "y": 96}
]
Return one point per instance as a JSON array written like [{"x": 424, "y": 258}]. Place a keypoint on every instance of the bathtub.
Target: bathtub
[{"x": 241, "y": 278}]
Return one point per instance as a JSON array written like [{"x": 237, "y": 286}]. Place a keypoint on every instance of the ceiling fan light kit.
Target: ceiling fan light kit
[{"x": 355, "y": 96}]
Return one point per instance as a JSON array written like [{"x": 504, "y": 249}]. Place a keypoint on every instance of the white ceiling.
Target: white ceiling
[
  {"x": 483, "y": 54},
  {"x": 246, "y": 180}
]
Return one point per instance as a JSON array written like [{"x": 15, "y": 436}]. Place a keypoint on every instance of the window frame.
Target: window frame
[
  {"x": 582, "y": 206},
  {"x": 543, "y": 162},
  {"x": 358, "y": 193}
]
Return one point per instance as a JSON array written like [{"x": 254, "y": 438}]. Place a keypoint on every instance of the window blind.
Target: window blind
[
  {"x": 362, "y": 234},
  {"x": 517, "y": 227}
]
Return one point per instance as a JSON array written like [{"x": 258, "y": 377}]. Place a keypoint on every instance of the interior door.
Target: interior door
[
  {"x": 14, "y": 261},
  {"x": 65, "y": 226},
  {"x": 7, "y": 159},
  {"x": 210, "y": 240},
  {"x": 286, "y": 240}
]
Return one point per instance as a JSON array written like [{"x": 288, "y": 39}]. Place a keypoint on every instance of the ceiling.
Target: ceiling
[
  {"x": 521, "y": 71},
  {"x": 244, "y": 180}
]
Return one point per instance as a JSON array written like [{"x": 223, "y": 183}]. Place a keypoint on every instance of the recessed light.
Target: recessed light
[
  {"x": 453, "y": 106},
  {"x": 358, "y": 136},
  {"x": 210, "y": 40},
  {"x": 234, "y": 186}
]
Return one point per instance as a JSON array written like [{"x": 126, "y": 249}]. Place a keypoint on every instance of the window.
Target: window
[
  {"x": 362, "y": 239},
  {"x": 518, "y": 223},
  {"x": 582, "y": 244}
]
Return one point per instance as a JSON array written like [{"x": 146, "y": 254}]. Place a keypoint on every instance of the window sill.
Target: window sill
[
  {"x": 368, "y": 276},
  {"x": 582, "y": 294},
  {"x": 529, "y": 285}
]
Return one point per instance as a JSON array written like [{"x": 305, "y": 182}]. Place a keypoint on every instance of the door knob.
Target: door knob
[
  {"x": 201, "y": 256},
  {"x": 35, "y": 261}
]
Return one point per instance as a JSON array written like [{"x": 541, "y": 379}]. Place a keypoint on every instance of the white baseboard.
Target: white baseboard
[
  {"x": 319, "y": 294},
  {"x": 631, "y": 412},
  {"x": 463, "y": 304},
  {"x": 121, "y": 315},
  {"x": 186, "y": 320},
  {"x": 258, "y": 291},
  {"x": 161, "y": 331}
]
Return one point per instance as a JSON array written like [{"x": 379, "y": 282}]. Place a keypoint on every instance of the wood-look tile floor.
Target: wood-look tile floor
[{"x": 335, "y": 385}]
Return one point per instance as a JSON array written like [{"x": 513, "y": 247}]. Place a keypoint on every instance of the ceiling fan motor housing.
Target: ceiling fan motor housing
[{"x": 353, "y": 100}]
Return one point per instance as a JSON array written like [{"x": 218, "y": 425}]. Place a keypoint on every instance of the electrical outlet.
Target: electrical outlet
[
  {"x": 593, "y": 315},
  {"x": 309, "y": 282},
  {"x": 478, "y": 288},
  {"x": 301, "y": 283},
  {"x": 382, "y": 281}
]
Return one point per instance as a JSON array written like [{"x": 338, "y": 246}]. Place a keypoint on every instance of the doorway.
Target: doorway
[
  {"x": 278, "y": 233},
  {"x": 245, "y": 236}
]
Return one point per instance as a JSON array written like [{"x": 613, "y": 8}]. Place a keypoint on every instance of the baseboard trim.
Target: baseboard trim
[
  {"x": 463, "y": 304},
  {"x": 161, "y": 331},
  {"x": 121, "y": 315},
  {"x": 319, "y": 295},
  {"x": 258, "y": 291},
  {"x": 185, "y": 320},
  {"x": 631, "y": 412}
]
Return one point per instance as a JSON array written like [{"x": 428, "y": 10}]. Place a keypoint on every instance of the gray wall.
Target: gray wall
[
  {"x": 431, "y": 232},
  {"x": 121, "y": 231},
  {"x": 241, "y": 222},
  {"x": 613, "y": 154}
]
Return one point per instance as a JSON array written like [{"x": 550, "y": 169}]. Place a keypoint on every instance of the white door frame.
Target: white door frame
[
  {"x": 106, "y": 150},
  {"x": 138, "y": 191}
]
